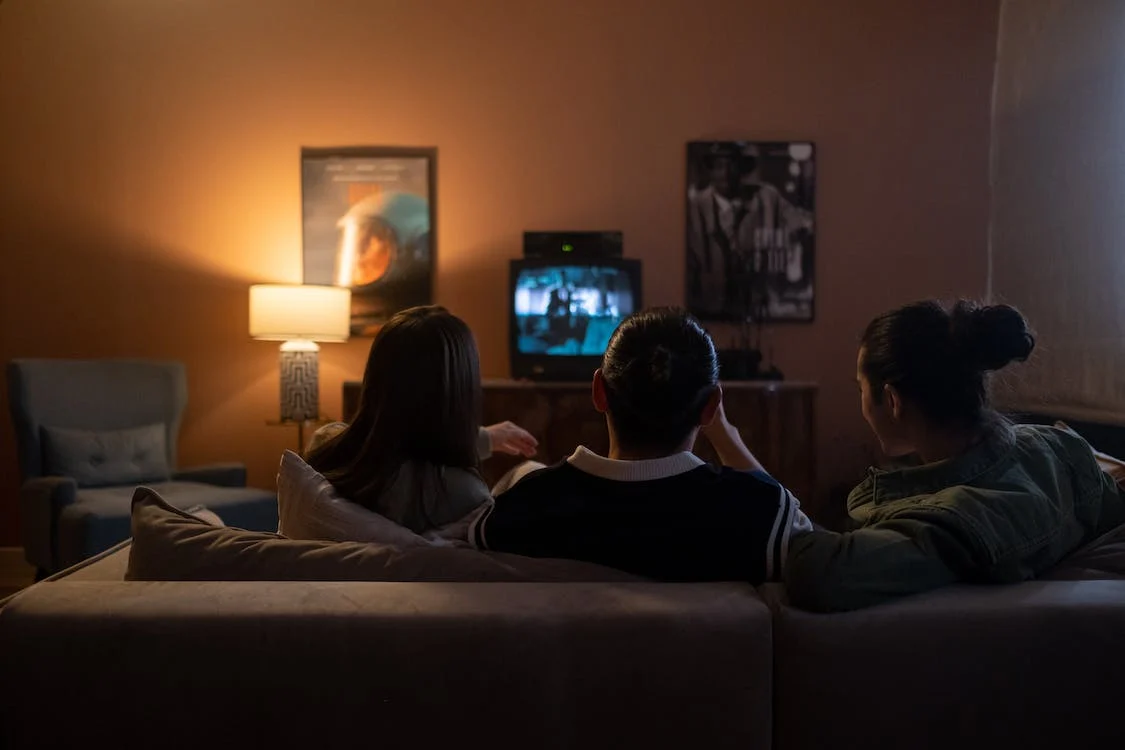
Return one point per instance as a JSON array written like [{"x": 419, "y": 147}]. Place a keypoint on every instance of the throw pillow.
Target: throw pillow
[
  {"x": 101, "y": 458},
  {"x": 171, "y": 545},
  {"x": 203, "y": 514},
  {"x": 309, "y": 508}
]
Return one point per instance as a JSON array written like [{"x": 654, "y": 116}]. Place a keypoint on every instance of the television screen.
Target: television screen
[{"x": 570, "y": 310}]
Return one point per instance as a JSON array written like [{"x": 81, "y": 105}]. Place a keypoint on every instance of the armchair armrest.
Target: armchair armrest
[
  {"x": 220, "y": 475},
  {"x": 41, "y": 500}
]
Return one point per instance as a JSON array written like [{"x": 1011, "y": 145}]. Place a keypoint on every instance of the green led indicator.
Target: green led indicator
[{"x": 567, "y": 247}]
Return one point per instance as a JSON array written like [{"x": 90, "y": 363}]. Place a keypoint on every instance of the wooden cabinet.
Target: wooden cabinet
[{"x": 777, "y": 421}]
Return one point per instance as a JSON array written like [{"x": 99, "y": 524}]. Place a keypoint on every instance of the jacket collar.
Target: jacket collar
[{"x": 887, "y": 486}]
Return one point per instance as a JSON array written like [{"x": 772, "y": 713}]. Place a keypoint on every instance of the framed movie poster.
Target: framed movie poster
[
  {"x": 751, "y": 230},
  {"x": 368, "y": 224}
]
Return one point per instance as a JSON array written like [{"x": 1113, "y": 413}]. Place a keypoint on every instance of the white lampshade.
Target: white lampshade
[{"x": 291, "y": 312}]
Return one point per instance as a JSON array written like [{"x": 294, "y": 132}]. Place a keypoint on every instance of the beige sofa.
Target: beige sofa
[{"x": 91, "y": 660}]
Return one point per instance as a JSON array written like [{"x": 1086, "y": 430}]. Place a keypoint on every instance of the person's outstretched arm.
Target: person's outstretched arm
[
  {"x": 505, "y": 437},
  {"x": 831, "y": 572}
]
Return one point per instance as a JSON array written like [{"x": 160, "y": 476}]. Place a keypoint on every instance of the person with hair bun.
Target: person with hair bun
[
  {"x": 652, "y": 507},
  {"x": 984, "y": 500}
]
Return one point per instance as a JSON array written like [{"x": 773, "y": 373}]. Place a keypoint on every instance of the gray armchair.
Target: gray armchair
[{"x": 87, "y": 433}]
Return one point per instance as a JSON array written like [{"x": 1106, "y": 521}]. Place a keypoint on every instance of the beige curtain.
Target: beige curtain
[{"x": 1058, "y": 218}]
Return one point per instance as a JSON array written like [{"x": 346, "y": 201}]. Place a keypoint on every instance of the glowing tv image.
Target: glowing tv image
[{"x": 570, "y": 310}]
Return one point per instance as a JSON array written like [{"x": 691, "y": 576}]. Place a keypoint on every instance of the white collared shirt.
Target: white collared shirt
[{"x": 533, "y": 528}]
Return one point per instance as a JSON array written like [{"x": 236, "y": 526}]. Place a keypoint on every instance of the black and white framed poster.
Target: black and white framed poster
[
  {"x": 368, "y": 224},
  {"x": 751, "y": 230}
]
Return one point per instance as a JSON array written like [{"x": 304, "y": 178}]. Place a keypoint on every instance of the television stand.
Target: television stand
[{"x": 777, "y": 420}]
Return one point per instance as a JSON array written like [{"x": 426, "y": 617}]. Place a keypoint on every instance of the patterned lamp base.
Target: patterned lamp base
[{"x": 300, "y": 391}]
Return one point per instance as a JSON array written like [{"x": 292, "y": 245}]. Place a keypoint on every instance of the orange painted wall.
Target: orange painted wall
[{"x": 149, "y": 166}]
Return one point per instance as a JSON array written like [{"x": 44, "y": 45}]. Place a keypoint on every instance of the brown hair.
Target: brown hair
[{"x": 420, "y": 402}]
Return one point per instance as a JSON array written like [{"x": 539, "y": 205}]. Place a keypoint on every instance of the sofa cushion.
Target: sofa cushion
[
  {"x": 1101, "y": 559},
  {"x": 100, "y": 458},
  {"x": 1021, "y": 666},
  {"x": 171, "y": 545},
  {"x": 278, "y": 665},
  {"x": 309, "y": 508}
]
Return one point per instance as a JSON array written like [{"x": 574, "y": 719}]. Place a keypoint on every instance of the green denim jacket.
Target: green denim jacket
[{"x": 1007, "y": 510}]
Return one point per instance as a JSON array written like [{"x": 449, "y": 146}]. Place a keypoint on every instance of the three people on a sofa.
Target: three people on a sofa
[{"x": 990, "y": 501}]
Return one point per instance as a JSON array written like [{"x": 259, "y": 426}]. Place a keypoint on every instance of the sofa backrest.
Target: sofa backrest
[
  {"x": 283, "y": 664},
  {"x": 1033, "y": 665},
  {"x": 299, "y": 664},
  {"x": 105, "y": 394}
]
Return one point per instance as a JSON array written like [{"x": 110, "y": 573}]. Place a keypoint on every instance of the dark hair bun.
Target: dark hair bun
[
  {"x": 660, "y": 364},
  {"x": 988, "y": 338},
  {"x": 659, "y": 370}
]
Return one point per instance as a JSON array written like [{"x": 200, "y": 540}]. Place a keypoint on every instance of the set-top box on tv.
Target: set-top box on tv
[{"x": 573, "y": 245}]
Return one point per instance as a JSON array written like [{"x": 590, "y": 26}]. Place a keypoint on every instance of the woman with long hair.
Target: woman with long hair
[{"x": 413, "y": 449}]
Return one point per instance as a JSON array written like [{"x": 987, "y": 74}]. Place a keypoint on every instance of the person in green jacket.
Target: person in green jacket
[{"x": 982, "y": 500}]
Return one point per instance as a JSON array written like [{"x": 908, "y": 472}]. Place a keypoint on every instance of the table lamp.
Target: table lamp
[{"x": 299, "y": 315}]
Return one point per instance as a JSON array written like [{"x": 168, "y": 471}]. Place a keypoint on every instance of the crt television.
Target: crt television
[{"x": 563, "y": 311}]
